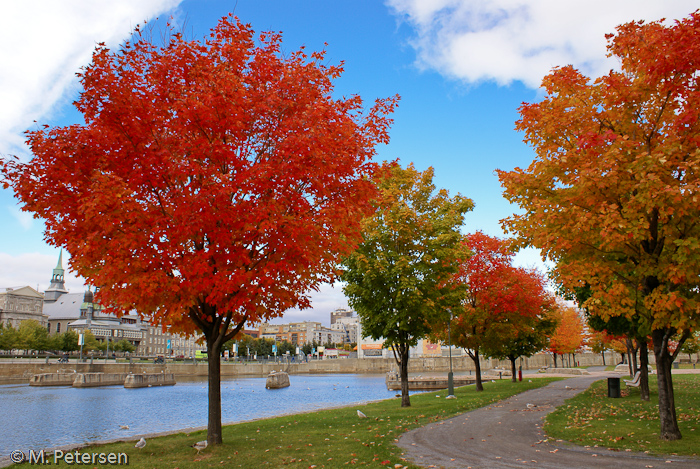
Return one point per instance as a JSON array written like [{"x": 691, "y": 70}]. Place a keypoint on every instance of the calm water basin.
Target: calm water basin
[{"x": 44, "y": 417}]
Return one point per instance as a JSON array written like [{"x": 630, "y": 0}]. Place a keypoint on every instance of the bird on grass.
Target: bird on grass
[
  {"x": 200, "y": 445},
  {"x": 361, "y": 414},
  {"x": 140, "y": 444}
]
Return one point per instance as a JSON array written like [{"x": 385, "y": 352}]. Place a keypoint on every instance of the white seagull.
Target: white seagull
[
  {"x": 200, "y": 445},
  {"x": 124, "y": 427},
  {"x": 140, "y": 444},
  {"x": 361, "y": 414}
]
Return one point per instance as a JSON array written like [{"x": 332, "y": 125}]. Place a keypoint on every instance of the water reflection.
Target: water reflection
[{"x": 44, "y": 417}]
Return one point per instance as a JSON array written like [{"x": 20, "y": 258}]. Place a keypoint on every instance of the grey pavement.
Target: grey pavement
[{"x": 508, "y": 434}]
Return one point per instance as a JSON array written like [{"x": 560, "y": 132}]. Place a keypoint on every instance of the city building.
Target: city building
[
  {"x": 21, "y": 304},
  {"x": 59, "y": 310},
  {"x": 57, "y": 287},
  {"x": 301, "y": 333},
  {"x": 340, "y": 313},
  {"x": 158, "y": 342},
  {"x": 348, "y": 326}
]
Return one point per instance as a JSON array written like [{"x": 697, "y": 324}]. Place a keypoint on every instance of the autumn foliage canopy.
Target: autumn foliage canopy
[
  {"x": 613, "y": 195},
  {"x": 210, "y": 178}
]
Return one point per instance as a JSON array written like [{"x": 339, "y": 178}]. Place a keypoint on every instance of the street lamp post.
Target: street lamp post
[{"x": 450, "y": 376}]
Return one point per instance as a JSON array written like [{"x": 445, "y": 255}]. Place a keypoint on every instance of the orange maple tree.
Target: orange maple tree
[
  {"x": 568, "y": 337},
  {"x": 612, "y": 196},
  {"x": 213, "y": 182}
]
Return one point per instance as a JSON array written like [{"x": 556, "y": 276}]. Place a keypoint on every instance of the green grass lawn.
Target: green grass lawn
[
  {"x": 326, "y": 439},
  {"x": 593, "y": 419}
]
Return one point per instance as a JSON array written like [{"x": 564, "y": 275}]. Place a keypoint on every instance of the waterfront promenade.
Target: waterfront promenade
[{"x": 509, "y": 434}]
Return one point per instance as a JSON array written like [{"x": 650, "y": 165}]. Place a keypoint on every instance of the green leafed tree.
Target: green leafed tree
[
  {"x": 32, "y": 336},
  {"x": 399, "y": 280},
  {"x": 521, "y": 337},
  {"x": 8, "y": 337},
  {"x": 69, "y": 341},
  {"x": 691, "y": 346}
]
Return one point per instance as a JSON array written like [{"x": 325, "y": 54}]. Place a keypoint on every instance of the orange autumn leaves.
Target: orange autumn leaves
[{"x": 568, "y": 337}]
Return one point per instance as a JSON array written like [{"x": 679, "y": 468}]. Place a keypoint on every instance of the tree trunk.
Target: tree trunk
[
  {"x": 603, "y": 354},
  {"x": 631, "y": 357},
  {"x": 644, "y": 368},
  {"x": 405, "y": 397},
  {"x": 474, "y": 354},
  {"x": 555, "y": 360},
  {"x": 216, "y": 332},
  {"x": 512, "y": 367},
  {"x": 667, "y": 407},
  {"x": 401, "y": 358},
  {"x": 214, "y": 436}
]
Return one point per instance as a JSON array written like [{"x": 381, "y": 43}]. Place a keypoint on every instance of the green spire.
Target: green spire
[{"x": 59, "y": 267}]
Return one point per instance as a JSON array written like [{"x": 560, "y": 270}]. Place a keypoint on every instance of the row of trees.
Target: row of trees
[
  {"x": 32, "y": 336},
  {"x": 250, "y": 346},
  {"x": 415, "y": 275},
  {"x": 216, "y": 183}
]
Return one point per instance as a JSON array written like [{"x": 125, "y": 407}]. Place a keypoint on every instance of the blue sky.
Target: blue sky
[{"x": 462, "y": 68}]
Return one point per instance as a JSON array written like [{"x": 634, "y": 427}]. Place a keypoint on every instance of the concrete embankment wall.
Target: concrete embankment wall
[
  {"x": 147, "y": 380},
  {"x": 87, "y": 380},
  {"x": 22, "y": 371},
  {"x": 53, "y": 379}
]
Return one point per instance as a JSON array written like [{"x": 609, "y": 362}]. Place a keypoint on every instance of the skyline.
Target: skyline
[{"x": 462, "y": 68}]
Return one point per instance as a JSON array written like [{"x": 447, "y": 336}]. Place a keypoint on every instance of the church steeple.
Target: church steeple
[{"x": 58, "y": 286}]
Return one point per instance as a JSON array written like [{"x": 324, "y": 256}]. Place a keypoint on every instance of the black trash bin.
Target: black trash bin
[{"x": 613, "y": 387}]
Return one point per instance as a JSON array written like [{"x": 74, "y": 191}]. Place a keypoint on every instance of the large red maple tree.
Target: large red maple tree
[{"x": 213, "y": 183}]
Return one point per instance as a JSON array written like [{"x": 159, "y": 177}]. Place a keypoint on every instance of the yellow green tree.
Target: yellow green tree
[
  {"x": 399, "y": 280},
  {"x": 612, "y": 195}
]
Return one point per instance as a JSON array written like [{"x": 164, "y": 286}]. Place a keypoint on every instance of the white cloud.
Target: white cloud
[
  {"x": 522, "y": 40},
  {"x": 45, "y": 43},
  {"x": 25, "y": 219},
  {"x": 327, "y": 299},
  {"x": 35, "y": 270}
]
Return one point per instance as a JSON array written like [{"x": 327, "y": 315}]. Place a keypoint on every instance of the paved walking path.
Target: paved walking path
[{"x": 508, "y": 434}]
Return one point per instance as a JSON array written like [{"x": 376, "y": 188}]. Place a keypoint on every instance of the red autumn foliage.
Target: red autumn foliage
[{"x": 499, "y": 297}]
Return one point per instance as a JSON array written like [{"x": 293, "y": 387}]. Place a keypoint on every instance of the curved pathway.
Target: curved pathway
[{"x": 508, "y": 434}]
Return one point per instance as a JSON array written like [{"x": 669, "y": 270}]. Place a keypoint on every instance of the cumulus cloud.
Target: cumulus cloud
[
  {"x": 45, "y": 43},
  {"x": 521, "y": 40}
]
